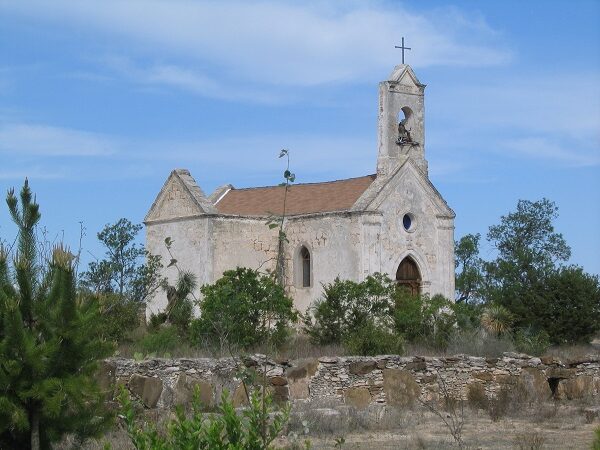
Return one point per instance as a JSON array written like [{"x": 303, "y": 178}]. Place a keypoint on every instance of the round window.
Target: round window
[{"x": 408, "y": 222}]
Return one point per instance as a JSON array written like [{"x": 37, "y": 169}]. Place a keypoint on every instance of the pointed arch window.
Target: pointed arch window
[{"x": 305, "y": 266}]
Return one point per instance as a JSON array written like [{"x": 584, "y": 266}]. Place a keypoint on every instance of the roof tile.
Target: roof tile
[{"x": 305, "y": 198}]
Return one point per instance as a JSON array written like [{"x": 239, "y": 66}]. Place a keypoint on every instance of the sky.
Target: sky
[{"x": 100, "y": 100}]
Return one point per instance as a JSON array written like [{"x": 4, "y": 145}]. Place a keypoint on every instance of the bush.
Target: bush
[
  {"x": 422, "y": 319},
  {"x": 256, "y": 427},
  {"x": 569, "y": 307},
  {"x": 181, "y": 316},
  {"x": 165, "y": 340},
  {"x": 476, "y": 396},
  {"x": 348, "y": 306},
  {"x": 531, "y": 342},
  {"x": 596, "y": 443},
  {"x": 118, "y": 315},
  {"x": 243, "y": 309},
  {"x": 372, "y": 340}
]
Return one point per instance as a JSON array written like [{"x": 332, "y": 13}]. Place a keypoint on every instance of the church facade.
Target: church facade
[{"x": 393, "y": 221}]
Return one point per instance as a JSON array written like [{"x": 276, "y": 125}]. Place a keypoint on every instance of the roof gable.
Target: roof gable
[
  {"x": 179, "y": 197},
  {"x": 373, "y": 197}
]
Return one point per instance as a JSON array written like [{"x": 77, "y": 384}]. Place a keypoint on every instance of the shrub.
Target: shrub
[
  {"x": 243, "y": 309},
  {"x": 476, "y": 396},
  {"x": 596, "y": 443},
  {"x": 372, "y": 340},
  {"x": 165, "y": 340},
  {"x": 347, "y": 306},
  {"x": 408, "y": 315},
  {"x": 529, "y": 441},
  {"x": 496, "y": 319},
  {"x": 531, "y": 342},
  {"x": 181, "y": 316},
  {"x": 423, "y": 319},
  {"x": 256, "y": 427},
  {"x": 568, "y": 308},
  {"x": 118, "y": 315}
]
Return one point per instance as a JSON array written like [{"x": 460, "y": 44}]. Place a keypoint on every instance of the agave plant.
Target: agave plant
[{"x": 496, "y": 319}]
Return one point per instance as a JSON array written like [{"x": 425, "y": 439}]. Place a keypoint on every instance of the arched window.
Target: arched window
[
  {"x": 408, "y": 275},
  {"x": 305, "y": 266}
]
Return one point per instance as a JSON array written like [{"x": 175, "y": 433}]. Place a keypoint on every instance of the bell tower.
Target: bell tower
[{"x": 401, "y": 128}]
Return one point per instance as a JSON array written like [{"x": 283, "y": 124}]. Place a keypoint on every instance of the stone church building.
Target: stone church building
[{"x": 393, "y": 221}]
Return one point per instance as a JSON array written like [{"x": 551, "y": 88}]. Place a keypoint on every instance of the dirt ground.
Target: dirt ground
[
  {"x": 548, "y": 426},
  {"x": 561, "y": 432}
]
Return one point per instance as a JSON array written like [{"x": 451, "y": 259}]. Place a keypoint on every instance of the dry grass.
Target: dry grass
[{"x": 573, "y": 352}]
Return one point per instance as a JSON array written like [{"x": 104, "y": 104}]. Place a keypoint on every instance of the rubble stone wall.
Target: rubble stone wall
[{"x": 356, "y": 381}]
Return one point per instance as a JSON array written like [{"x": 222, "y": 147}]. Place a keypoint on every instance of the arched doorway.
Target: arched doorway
[{"x": 408, "y": 275}]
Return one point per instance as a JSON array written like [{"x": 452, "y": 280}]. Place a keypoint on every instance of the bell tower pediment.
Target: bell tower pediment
[{"x": 401, "y": 129}]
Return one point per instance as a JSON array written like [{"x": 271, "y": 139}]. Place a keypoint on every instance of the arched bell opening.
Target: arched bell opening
[{"x": 408, "y": 275}]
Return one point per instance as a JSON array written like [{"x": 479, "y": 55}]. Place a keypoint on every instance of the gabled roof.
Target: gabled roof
[
  {"x": 180, "y": 196},
  {"x": 305, "y": 198}
]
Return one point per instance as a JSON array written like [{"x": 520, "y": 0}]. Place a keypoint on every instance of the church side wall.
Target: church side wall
[
  {"x": 242, "y": 242},
  {"x": 334, "y": 242},
  {"x": 191, "y": 247}
]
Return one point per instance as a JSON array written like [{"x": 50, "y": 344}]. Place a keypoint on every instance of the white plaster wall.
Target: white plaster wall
[
  {"x": 191, "y": 247},
  {"x": 430, "y": 243},
  {"x": 334, "y": 242}
]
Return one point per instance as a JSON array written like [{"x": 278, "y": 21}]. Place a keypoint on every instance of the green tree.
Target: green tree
[
  {"x": 469, "y": 268},
  {"x": 243, "y": 309},
  {"x": 568, "y": 306},
  {"x": 528, "y": 252},
  {"x": 48, "y": 344},
  {"x": 127, "y": 268},
  {"x": 347, "y": 306}
]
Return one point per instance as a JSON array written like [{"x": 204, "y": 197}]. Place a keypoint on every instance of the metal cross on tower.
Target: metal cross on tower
[{"x": 403, "y": 48}]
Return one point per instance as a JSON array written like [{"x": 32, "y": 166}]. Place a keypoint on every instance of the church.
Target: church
[{"x": 393, "y": 221}]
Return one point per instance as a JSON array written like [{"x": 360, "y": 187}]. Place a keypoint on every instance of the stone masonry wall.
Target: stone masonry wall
[{"x": 355, "y": 381}]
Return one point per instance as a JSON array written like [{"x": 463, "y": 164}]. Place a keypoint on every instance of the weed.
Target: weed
[{"x": 530, "y": 441}]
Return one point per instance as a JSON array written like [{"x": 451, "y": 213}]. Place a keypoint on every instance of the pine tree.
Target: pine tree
[{"x": 49, "y": 345}]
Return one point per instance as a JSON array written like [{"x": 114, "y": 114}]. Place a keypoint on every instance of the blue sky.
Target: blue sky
[{"x": 100, "y": 100}]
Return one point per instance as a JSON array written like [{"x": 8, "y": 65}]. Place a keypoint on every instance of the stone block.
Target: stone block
[
  {"x": 184, "y": 391},
  {"x": 506, "y": 379},
  {"x": 303, "y": 368},
  {"x": 148, "y": 389},
  {"x": 400, "y": 387},
  {"x": 560, "y": 372},
  {"x": 359, "y": 397},
  {"x": 416, "y": 365},
  {"x": 298, "y": 389},
  {"x": 483, "y": 376},
  {"x": 106, "y": 377},
  {"x": 362, "y": 367},
  {"x": 278, "y": 381},
  {"x": 535, "y": 383},
  {"x": 576, "y": 388},
  {"x": 280, "y": 393},
  {"x": 239, "y": 397}
]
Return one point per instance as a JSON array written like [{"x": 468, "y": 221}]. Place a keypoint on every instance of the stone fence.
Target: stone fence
[{"x": 355, "y": 381}]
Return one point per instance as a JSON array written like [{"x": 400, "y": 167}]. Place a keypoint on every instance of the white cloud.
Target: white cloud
[
  {"x": 278, "y": 43},
  {"x": 189, "y": 80},
  {"x": 27, "y": 139},
  {"x": 552, "y": 118},
  {"x": 553, "y": 150}
]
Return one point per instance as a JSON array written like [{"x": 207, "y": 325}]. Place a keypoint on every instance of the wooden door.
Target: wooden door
[{"x": 409, "y": 276}]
